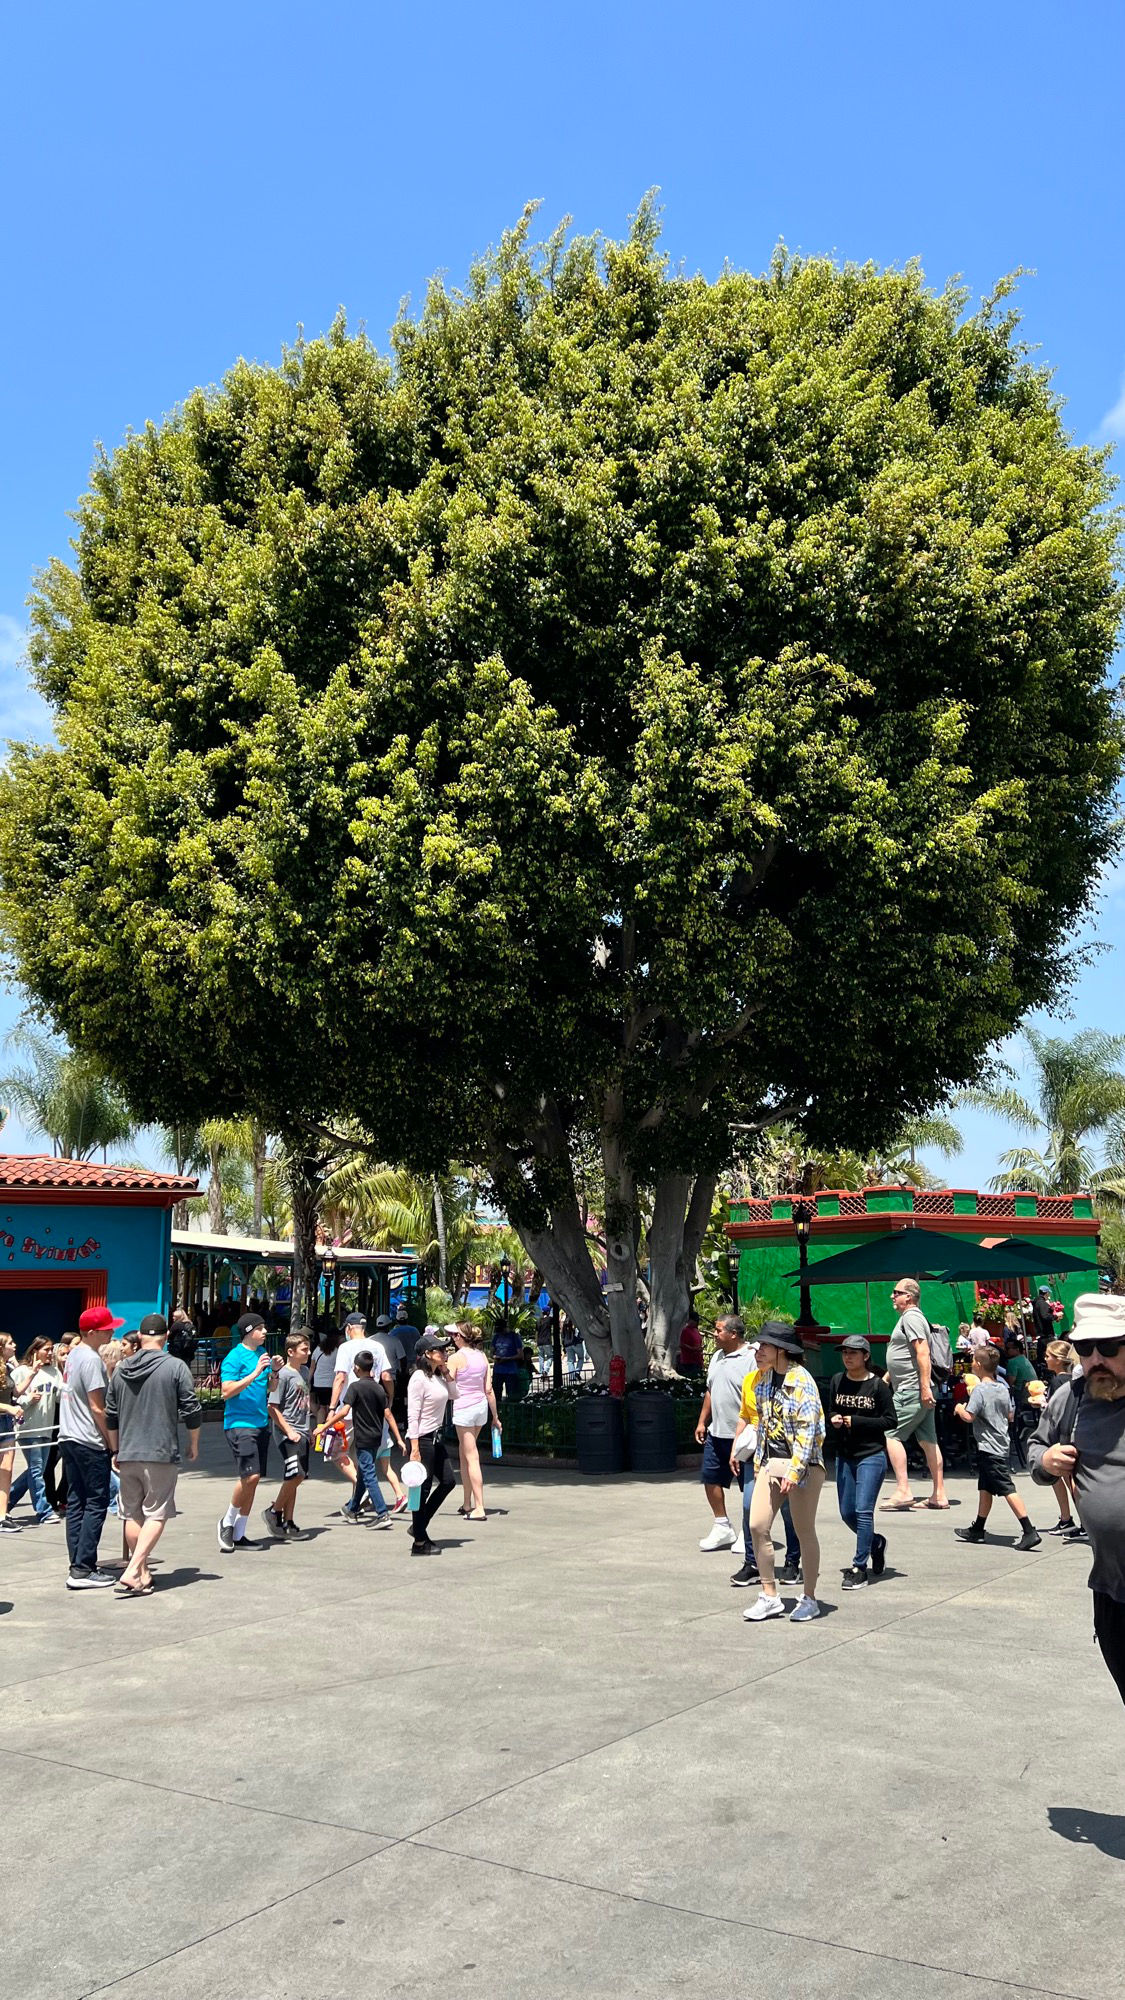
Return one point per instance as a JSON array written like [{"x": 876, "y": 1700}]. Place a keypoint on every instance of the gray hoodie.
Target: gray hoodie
[{"x": 147, "y": 1395}]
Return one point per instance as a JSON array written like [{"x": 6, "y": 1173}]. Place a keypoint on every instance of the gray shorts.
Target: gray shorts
[
  {"x": 148, "y": 1489},
  {"x": 915, "y": 1418}
]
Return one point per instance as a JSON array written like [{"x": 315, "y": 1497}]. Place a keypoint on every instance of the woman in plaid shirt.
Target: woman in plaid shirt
[{"x": 781, "y": 1400}]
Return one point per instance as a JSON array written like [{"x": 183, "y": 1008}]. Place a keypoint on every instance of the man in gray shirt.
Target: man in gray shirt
[
  {"x": 150, "y": 1395},
  {"x": 908, "y": 1372},
  {"x": 84, "y": 1444},
  {"x": 1081, "y": 1438}
]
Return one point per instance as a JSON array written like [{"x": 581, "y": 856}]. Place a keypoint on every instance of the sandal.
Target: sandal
[
  {"x": 476, "y": 1517},
  {"x": 122, "y": 1589},
  {"x": 896, "y": 1506},
  {"x": 935, "y": 1506}
]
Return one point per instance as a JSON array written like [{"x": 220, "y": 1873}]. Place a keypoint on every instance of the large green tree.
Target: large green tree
[{"x": 640, "y": 705}]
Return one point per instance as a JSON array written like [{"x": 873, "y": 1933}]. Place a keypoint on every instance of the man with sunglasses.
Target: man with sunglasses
[{"x": 1082, "y": 1439}]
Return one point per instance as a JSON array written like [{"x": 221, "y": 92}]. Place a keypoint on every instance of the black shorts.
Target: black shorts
[
  {"x": 994, "y": 1475},
  {"x": 321, "y": 1399},
  {"x": 251, "y": 1450},
  {"x": 294, "y": 1457}
]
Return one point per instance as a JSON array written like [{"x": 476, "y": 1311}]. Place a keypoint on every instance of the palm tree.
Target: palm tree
[
  {"x": 65, "y": 1096},
  {"x": 1080, "y": 1093},
  {"x": 389, "y": 1208},
  {"x": 229, "y": 1144}
]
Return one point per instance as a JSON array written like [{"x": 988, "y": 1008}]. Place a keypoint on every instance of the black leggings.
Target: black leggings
[
  {"x": 1109, "y": 1631},
  {"x": 439, "y": 1482}
]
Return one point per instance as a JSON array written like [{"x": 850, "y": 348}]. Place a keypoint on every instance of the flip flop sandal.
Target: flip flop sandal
[
  {"x": 897, "y": 1506},
  {"x": 133, "y": 1589},
  {"x": 476, "y": 1517},
  {"x": 935, "y": 1506}
]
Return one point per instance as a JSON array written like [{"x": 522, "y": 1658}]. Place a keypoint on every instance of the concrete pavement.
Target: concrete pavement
[{"x": 556, "y": 1760}]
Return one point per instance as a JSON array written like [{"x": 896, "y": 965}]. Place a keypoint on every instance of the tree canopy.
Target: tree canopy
[{"x": 639, "y": 704}]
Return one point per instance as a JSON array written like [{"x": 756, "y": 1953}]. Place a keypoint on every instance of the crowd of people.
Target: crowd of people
[
  {"x": 764, "y": 1426},
  {"x": 99, "y": 1420}
]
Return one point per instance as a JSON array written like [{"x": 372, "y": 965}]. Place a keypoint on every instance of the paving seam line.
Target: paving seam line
[{"x": 746, "y": 1923}]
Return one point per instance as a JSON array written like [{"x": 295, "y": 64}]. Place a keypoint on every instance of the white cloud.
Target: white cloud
[
  {"x": 1111, "y": 430},
  {"x": 23, "y": 712}
]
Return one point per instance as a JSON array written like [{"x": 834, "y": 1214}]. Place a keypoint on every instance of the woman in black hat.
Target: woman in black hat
[{"x": 782, "y": 1401}]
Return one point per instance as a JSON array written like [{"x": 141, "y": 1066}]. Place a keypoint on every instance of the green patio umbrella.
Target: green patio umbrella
[
  {"x": 902, "y": 1253},
  {"x": 1045, "y": 1260}
]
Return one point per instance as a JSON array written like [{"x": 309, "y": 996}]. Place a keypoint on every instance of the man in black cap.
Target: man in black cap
[{"x": 150, "y": 1394}]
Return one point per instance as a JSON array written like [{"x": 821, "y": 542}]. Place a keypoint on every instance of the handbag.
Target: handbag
[{"x": 745, "y": 1445}]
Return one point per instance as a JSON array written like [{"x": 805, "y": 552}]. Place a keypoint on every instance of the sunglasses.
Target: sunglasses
[{"x": 1109, "y": 1349}]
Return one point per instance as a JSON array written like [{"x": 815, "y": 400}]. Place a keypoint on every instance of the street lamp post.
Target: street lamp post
[
  {"x": 802, "y": 1228},
  {"x": 505, "y": 1269},
  {"x": 328, "y": 1266},
  {"x": 732, "y": 1273}
]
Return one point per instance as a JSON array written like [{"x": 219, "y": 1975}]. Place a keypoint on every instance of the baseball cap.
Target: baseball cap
[
  {"x": 1045, "y": 1288},
  {"x": 382, "y": 1321},
  {"x": 98, "y": 1319},
  {"x": 153, "y": 1326},
  {"x": 250, "y": 1322},
  {"x": 431, "y": 1342},
  {"x": 857, "y": 1343},
  {"x": 355, "y": 1319}
]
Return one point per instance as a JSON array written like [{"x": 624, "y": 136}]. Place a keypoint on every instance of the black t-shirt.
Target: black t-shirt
[
  {"x": 871, "y": 1408},
  {"x": 367, "y": 1401}
]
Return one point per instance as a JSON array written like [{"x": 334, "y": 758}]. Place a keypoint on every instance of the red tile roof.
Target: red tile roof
[{"x": 20, "y": 1172}]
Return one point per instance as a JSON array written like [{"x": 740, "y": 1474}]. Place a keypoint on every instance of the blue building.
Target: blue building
[{"x": 74, "y": 1234}]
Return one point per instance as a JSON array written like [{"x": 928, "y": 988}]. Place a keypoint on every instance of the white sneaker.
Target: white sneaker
[
  {"x": 738, "y": 1546},
  {"x": 721, "y": 1537},
  {"x": 805, "y": 1607},
  {"x": 765, "y": 1607}
]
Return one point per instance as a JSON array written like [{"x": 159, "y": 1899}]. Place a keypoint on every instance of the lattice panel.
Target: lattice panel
[
  {"x": 853, "y": 1204},
  {"x": 1054, "y": 1204},
  {"x": 933, "y": 1204}
]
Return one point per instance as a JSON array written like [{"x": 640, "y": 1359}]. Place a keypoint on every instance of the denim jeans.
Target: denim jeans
[
  {"x": 87, "y": 1501},
  {"x": 369, "y": 1481},
  {"x": 857, "y": 1489},
  {"x": 31, "y": 1480}
]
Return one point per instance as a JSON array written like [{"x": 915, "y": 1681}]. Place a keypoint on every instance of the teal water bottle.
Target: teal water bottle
[{"x": 497, "y": 1448}]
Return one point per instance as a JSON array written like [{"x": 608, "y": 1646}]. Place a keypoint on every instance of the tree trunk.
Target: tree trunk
[
  {"x": 304, "y": 1189},
  {"x": 680, "y": 1214},
  {"x": 625, "y": 1333},
  {"x": 258, "y": 1163},
  {"x": 439, "y": 1232},
  {"x": 216, "y": 1220}
]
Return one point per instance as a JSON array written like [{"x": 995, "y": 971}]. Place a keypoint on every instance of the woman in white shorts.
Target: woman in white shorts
[{"x": 473, "y": 1404}]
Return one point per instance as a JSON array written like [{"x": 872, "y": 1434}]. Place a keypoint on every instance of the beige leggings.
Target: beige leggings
[{"x": 764, "y": 1506}]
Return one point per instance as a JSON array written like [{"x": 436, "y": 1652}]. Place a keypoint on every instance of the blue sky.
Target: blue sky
[{"x": 186, "y": 185}]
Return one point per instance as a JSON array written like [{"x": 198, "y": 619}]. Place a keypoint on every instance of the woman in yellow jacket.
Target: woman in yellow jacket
[{"x": 782, "y": 1402}]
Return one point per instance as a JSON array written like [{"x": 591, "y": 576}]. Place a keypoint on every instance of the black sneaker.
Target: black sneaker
[
  {"x": 291, "y": 1528},
  {"x": 855, "y": 1578},
  {"x": 88, "y": 1579},
  {"x": 424, "y": 1549},
  {"x": 244, "y": 1542},
  {"x": 1075, "y": 1532},
  {"x": 973, "y": 1533},
  {"x": 9, "y": 1527},
  {"x": 744, "y": 1577},
  {"x": 878, "y": 1554},
  {"x": 789, "y": 1573},
  {"x": 1030, "y": 1538},
  {"x": 1060, "y": 1528}
]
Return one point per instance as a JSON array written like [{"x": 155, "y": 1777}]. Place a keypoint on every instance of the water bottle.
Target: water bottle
[{"x": 497, "y": 1447}]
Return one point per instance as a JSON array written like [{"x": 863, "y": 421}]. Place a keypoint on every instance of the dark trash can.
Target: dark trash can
[
  {"x": 650, "y": 1417},
  {"x": 599, "y": 1434}
]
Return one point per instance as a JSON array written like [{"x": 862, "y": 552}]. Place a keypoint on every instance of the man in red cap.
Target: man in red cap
[{"x": 85, "y": 1448}]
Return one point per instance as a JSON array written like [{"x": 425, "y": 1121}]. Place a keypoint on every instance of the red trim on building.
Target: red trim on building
[
  {"x": 36, "y": 1177},
  {"x": 95, "y": 1284}
]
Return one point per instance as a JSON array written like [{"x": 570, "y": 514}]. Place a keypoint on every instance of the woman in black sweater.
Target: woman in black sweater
[{"x": 860, "y": 1411}]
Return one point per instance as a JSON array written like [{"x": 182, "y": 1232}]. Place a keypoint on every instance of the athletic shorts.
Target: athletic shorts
[
  {"x": 294, "y": 1457},
  {"x": 717, "y": 1469},
  {"x": 994, "y": 1475},
  {"x": 470, "y": 1414},
  {"x": 148, "y": 1489},
  {"x": 915, "y": 1418},
  {"x": 251, "y": 1450}
]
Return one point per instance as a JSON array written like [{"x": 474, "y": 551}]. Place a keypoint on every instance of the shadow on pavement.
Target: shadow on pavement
[
  {"x": 177, "y": 1579},
  {"x": 1090, "y": 1829}
]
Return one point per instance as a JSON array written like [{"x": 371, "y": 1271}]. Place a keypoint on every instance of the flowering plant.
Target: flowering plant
[{"x": 992, "y": 1306}]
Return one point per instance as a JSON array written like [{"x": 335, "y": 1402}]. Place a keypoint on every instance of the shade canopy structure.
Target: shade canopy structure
[
  {"x": 1043, "y": 1258},
  {"x": 902, "y": 1253}
]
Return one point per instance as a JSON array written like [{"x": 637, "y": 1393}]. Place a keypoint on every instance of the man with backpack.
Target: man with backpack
[{"x": 910, "y": 1372}]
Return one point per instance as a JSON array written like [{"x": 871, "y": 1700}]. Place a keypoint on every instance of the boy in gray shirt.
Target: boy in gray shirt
[
  {"x": 290, "y": 1407},
  {"x": 991, "y": 1411}
]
